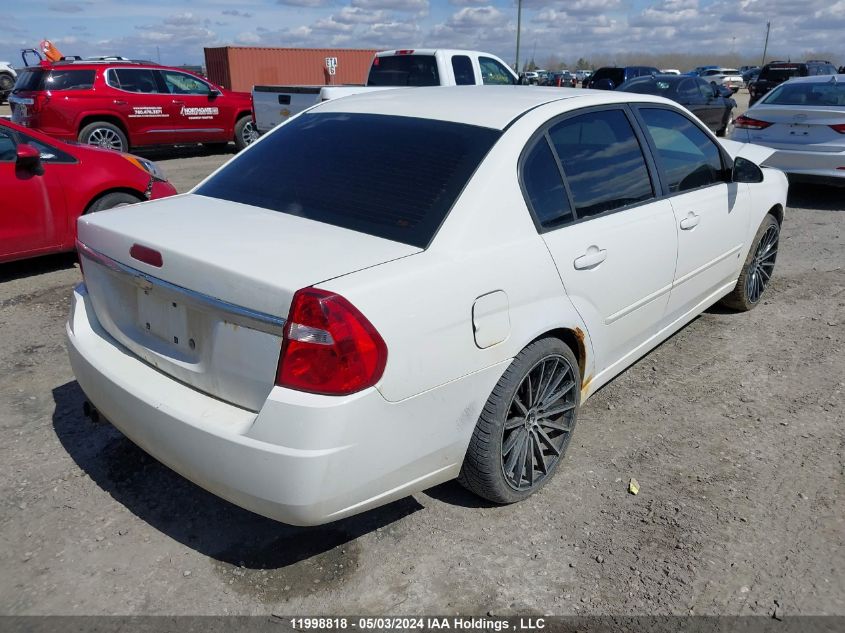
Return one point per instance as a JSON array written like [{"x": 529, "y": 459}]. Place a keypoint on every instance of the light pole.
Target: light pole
[{"x": 518, "y": 29}]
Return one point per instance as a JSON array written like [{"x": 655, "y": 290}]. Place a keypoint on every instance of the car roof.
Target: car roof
[
  {"x": 485, "y": 106},
  {"x": 817, "y": 79}
]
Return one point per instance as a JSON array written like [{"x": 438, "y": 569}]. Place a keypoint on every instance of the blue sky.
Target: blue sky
[{"x": 177, "y": 30}]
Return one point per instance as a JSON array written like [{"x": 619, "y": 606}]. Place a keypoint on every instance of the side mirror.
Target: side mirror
[
  {"x": 214, "y": 93},
  {"x": 28, "y": 158},
  {"x": 746, "y": 171}
]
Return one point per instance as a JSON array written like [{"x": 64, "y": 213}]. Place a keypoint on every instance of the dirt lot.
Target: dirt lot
[{"x": 733, "y": 428}]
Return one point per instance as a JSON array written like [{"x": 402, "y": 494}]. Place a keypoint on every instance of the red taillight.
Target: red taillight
[
  {"x": 146, "y": 254},
  {"x": 747, "y": 123},
  {"x": 839, "y": 127},
  {"x": 329, "y": 347},
  {"x": 39, "y": 101}
]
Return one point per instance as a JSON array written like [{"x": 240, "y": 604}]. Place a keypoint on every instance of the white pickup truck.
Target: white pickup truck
[{"x": 390, "y": 69}]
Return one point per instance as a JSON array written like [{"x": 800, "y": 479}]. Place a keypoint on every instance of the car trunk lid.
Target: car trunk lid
[
  {"x": 808, "y": 128},
  {"x": 211, "y": 315}
]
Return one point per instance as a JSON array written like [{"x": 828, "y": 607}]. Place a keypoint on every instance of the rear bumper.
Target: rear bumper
[{"x": 303, "y": 459}]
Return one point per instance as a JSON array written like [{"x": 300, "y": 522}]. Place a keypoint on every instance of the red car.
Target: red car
[
  {"x": 46, "y": 185},
  {"x": 124, "y": 104}
]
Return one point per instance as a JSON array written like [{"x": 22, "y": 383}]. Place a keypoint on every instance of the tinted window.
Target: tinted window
[
  {"x": 183, "y": 84},
  {"x": 133, "y": 79},
  {"x": 8, "y": 149},
  {"x": 404, "y": 70},
  {"x": 544, "y": 187},
  {"x": 69, "y": 80},
  {"x": 705, "y": 89},
  {"x": 462, "y": 67},
  {"x": 688, "y": 157},
  {"x": 602, "y": 161},
  {"x": 30, "y": 80},
  {"x": 821, "y": 69},
  {"x": 688, "y": 89},
  {"x": 49, "y": 153},
  {"x": 780, "y": 74},
  {"x": 389, "y": 176},
  {"x": 616, "y": 75},
  {"x": 648, "y": 86},
  {"x": 492, "y": 72}
]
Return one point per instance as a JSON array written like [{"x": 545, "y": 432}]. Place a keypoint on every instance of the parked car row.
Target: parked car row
[{"x": 775, "y": 73}]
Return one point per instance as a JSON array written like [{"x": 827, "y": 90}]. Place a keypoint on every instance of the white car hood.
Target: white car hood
[{"x": 757, "y": 154}]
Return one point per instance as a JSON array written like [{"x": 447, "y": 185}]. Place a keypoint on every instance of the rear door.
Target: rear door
[
  {"x": 197, "y": 114},
  {"x": 136, "y": 96},
  {"x": 32, "y": 206},
  {"x": 711, "y": 213},
  {"x": 614, "y": 243}
]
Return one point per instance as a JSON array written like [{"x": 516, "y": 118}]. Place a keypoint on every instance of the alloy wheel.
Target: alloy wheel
[
  {"x": 763, "y": 264},
  {"x": 105, "y": 138},
  {"x": 539, "y": 422},
  {"x": 249, "y": 134}
]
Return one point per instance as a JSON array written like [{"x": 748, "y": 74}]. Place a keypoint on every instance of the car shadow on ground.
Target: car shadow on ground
[
  {"x": 817, "y": 197},
  {"x": 187, "y": 513},
  {"x": 36, "y": 266},
  {"x": 167, "y": 152}
]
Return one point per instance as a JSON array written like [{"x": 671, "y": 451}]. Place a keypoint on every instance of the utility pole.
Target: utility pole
[
  {"x": 518, "y": 29},
  {"x": 766, "y": 45}
]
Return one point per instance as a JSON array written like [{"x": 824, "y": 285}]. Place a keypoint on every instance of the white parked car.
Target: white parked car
[
  {"x": 804, "y": 120},
  {"x": 7, "y": 80},
  {"x": 670, "y": 71},
  {"x": 727, "y": 77},
  {"x": 395, "y": 289}
]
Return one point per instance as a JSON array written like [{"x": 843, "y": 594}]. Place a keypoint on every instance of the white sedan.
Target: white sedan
[
  {"x": 399, "y": 288},
  {"x": 804, "y": 120},
  {"x": 727, "y": 77}
]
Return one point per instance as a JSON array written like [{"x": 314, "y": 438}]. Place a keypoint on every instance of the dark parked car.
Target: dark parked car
[
  {"x": 561, "y": 80},
  {"x": 611, "y": 77},
  {"x": 750, "y": 76},
  {"x": 708, "y": 102},
  {"x": 775, "y": 73}
]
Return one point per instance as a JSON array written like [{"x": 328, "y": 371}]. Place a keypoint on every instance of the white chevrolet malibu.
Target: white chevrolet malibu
[{"x": 396, "y": 289}]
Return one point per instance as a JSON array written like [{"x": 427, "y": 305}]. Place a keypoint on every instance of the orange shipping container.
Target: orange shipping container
[{"x": 242, "y": 67}]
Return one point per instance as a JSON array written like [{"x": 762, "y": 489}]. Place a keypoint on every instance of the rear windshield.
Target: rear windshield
[
  {"x": 648, "y": 86},
  {"x": 616, "y": 75},
  {"x": 55, "y": 80},
  {"x": 389, "y": 176},
  {"x": 808, "y": 94},
  {"x": 404, "y": 70},
  {"x": 780, "y": 74}
]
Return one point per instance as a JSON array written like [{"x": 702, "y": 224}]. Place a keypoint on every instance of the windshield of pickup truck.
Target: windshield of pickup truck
[
  {"x": 404, "y": 70},
  {"x": 389, "y": 176}
]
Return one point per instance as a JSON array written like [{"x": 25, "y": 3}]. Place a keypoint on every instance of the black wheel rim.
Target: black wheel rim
[
  {"x": 763, "y": 264},
  {"x": 539, "y": 422}
]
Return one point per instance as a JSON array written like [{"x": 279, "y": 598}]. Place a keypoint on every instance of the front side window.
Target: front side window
[
  {"x": 602, "y": 161},
  {"x": 49, "y": 153},
  {"x": 389, "y": 176},
  {"x": 494, "y": 73},
  {"x": 544, "y": 187},
  {"x": 690, "y": 159},
  {"x": 133, "y": 79},
  {"x": 183, "y": 84},
  {"x": 8, "y": 148},
  {"x": 462, "y": 67}
]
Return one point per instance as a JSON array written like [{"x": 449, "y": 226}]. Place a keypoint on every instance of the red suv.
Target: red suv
[
  {"x": 124, "y": 104},
  {"x": 46, "y": 185}
]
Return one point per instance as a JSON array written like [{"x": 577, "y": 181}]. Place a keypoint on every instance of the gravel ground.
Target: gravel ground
[{"x": 733, "y": 428}]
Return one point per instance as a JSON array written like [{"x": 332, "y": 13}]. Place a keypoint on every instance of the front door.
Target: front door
[
  {"x": 711, "y": 213},
  {"x": 197, "y": 112},
  {"x": 614, "y": 243},
  {"x": 28, "y": 221},
  {"x": 137, "y": 96}
]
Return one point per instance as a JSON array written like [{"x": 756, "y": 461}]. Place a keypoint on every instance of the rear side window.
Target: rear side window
[
  {"x": 544, "y": 187},
  {"x": 56, "y": 80},
  {"x": 602, "y": 161},
  {"x": 133, "y": 79},
  {"x": 8, "y": 148},
  {"x": 690, "y": 159},
  {"x": 404, "y": 70},
  {"x": 781, "y": 73},
  {"x": 30, "y": 80},
  {"x": 462, "y": 67},
  {"x": 494, "y": 73},
  {"x": 389, "y": 176}
]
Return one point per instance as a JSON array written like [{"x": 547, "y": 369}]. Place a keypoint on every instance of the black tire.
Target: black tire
[
  {"x": 758, "y": 268},
  {"x": 112, "y": 200},
  {"x": 104, "y": 134},
  {"x": 7, "y": 82},
  {"x": 245, "y": 132},
  {"x": 488, "y": 457}
]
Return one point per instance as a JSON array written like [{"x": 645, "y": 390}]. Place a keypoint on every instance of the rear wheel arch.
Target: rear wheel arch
[
  {"x": 576, "y": 339},
  {"x": 777, "y": 212},
  {"x": 88, "y": 119}
]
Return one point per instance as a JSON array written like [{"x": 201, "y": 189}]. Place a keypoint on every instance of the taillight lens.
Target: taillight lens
[
  {"x": 839, "y": 127},
  {"x": 329, "y": 347},
  {"x": 747, "y": 123},
  {"x": 39, "y": 102}
]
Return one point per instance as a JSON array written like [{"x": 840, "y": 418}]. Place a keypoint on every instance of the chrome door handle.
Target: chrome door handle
[
  {"x": 178, "y": 102},
  {"x": 592, "y": 258},
  {"x": 690, "y": 222},
  {"x": 119, "y": 102}
]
